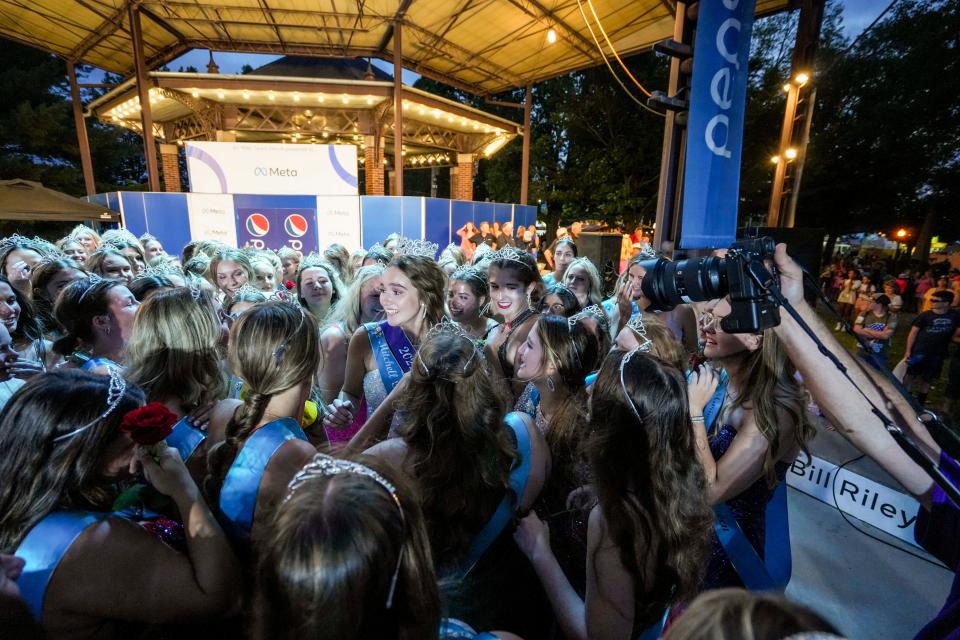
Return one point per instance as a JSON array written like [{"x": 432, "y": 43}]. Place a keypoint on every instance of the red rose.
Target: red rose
[
  {"x": 149, "y": 424},
  {"x": 290, "y": 285}
]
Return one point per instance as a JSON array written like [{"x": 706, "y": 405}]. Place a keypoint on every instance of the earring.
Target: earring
[
  {"x": 551, "y": 384},
  {"x": 529, "y": 300}
]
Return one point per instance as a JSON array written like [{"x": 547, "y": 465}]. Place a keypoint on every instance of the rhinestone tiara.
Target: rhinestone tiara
[
  {"x": 118, "y": 386},
  {"x": 414, "y": 247},
  {"x": 593, "y": 311},
  {"x": 638, "y": 326}
]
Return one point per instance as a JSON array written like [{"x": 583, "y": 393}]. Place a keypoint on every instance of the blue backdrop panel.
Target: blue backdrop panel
[
  {"x": 502, "y": 213},
  {"x": 100, "y": 199},
  {"x": 167, "y": 219},
  {"x": 379, "y": 217},
  {"x": 484, "y": 212},
  {"x": 134, "y": 212},
  {"x": 113, "y": 200},
  {"x": 438, "y": 223},
  {"x": 461, "y": 212},
  {"x": 283, "y": 220},
  {"x": 524, "y": 215},
  {"x": 412, "y": 219}
]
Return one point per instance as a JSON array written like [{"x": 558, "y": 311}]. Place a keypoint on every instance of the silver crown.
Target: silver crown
[
  {"x": 247, "y": 289},
  {"x": 52, "y": 257},
  {"x": 414, "y": 247},
  {"x": 160, "y": 270},
  {"x": 511, "y": 254},
  {"x": 646, "y": 253},
  {"x": 323, "y": 466},
  {"x": 17, "y": 240},
  {"x": 638, "y": 326},
  {"x": 313, "y": 259},
  {"x": 92, "y": 281},
  {"x": 115, "y": 392},
  {"x": 447, "y": 327},
  {"x": 593, "y": 311},
  {"x": 466, "y": 271},
  {"x": 623, "y": 385}
]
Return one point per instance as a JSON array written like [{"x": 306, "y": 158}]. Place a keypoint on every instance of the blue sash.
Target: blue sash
[
  {"x": 518, "y": 484},
  {"x": 772, "y": 573},
  {"x": 93, "y": 363},
  {"x": 185, "y": 438},
  {"x": 654, "y": 631},
  {"x": 236, "y": 386},
  {"x": 44, "y": 547},
  {"x": 453, "y": 629},
  {"x": 238, "y": 496},
  {"x": 393, "y": 352}
]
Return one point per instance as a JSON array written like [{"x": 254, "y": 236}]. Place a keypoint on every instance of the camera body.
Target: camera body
[{"x": 741, "y": 274}]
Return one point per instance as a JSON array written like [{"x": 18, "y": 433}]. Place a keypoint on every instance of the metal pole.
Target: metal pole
[
  {"x": 525, "y": 164},
  {"x": 86, "y": 163},
  {"x": 143, "y": 91},
  {"x": 672, "y": 148},
  {"x": 791, "y": 211},
  {"x": 398, "y": 107},
  {"x": 786, "y": 135}
]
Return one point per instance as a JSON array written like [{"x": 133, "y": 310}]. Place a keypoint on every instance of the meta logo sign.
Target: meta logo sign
[
  {"x": 274, "y": 172},
  {"x": 258, "y": 225}
]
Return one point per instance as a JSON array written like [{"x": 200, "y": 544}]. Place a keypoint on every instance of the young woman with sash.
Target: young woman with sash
[
  {"x": 97, "y": 318},
  {"x": 515, "y": 292},
  {"x": 749, "y": 418},
  {"x": 46, "y": 282},
  {"x": 274, "y": 349},
  {"x": 360, "y": 305},
  {"x": 468, "y": 297},
  {"x": 91, "y": 572},
  {"x": 381, "y": 353},
  {"x": 555, "y": 360},
  {"x": 475, "y": 467},
  {"x": 173, "y": 356},
  {"x": 646, "y": 538}
]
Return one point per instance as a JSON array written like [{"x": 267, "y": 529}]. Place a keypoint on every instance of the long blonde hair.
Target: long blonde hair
[
  {"x": 595, "y": 295},
  {"x": 172, "y": 352},
  {"x": 348, "y": 312}
]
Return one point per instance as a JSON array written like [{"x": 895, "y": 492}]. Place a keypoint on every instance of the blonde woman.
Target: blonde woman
[
  {"x": 319, "y": 287},
  {"x": 583, "y": 279},
  {"x": 229, "y": 270}
]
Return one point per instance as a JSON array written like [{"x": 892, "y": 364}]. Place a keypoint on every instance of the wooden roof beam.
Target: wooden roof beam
[
  {"x": 536, "y": 10},
  {"x": 110, "y": 25},
  {"x": 388, "y": 34},
  {"x": 160, "y": 22}
]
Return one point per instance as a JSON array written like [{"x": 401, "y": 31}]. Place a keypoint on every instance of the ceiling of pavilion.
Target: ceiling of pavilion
[{"x": 483, "y": 46}]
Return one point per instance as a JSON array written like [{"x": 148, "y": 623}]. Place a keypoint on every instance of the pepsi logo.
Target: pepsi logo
[
  {"x": 295, "y": 225},
  {"x": 258, "y": 225}
]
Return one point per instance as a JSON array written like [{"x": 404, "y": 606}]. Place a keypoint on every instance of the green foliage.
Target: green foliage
[{"x": 37, "y": 132}]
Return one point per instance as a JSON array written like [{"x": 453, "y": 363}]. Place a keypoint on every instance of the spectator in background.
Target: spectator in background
[
  {"x": 928, "y": 296},
  {"x": 865, "y": 295},
  {"x": 921, "y": 285},
  {"x": 892, "y": 291},
  {"x": 484, "y": 236},
  {"x": 927, "y": 343},
  {"x": 876, "y": 325},
  {"x": 466, "y": 233},
  {"x": 575, "y": 229},
  {"x": 846, "y": 298},
  {"x": 505, "y": 238}
]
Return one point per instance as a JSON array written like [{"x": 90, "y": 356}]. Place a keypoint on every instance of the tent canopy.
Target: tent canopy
[
  {"x": 482, "y": 46},
  {"x": 26, "y": 200}
]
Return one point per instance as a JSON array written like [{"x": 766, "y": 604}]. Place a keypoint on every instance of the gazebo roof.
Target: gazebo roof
[
  {"x": 28, "y": 200},
  {"x": 483, "y": 46},
  {"x": 267, "y": 108}
]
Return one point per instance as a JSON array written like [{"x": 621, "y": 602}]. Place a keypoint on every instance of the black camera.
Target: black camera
[{"x": 741, "y": 274}]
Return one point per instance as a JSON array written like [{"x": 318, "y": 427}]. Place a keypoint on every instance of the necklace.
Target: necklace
[
  {"x": 541, "y": 421},
  {"x": 520, "y": 319}
]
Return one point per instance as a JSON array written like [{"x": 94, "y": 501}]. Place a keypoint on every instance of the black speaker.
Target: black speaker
[{"x": 603, "y": 249}]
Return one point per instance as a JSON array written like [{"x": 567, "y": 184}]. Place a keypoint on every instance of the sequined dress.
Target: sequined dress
[{"x": 748, "y": 507}]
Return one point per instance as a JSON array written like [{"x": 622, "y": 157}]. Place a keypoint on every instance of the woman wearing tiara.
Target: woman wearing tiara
[
  {"x": 91, "y": 572},
  {"x": 583, "y": 279},
  {"x": 475, "y": 467},
  {"x": 319, "y": 288},
  {"x": 18, "y": 258},
  {"x": 555, "y": 360},
  {"x": 515, "y": 291},
  {"x": 87, "y": 237},
  {"x": 380, "y": 354},
  {"x": 360, "y": 305},
  {"x": 46, "y": 282},
  {"x": 646, "y": 539},
  {"x": 97, "y": 318},
  {"x": 468, "y": 298},
  {"x": 108, "y": 262},
  {"x": 229, "y": 270},
  {"x": 73, "y": 250},
  {"x": 17, "y": 314},
  {"x": 274, "y": 350},
  {"x": 173, "y": 356},
  {"x": 559, "y": 300}
]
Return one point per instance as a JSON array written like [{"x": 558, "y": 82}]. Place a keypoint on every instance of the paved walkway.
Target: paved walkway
[{"x": 868, "y": 590}]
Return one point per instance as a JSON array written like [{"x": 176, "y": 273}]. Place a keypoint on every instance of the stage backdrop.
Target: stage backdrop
[
  {"x": 272, "y": 169},
  {"x": 305, "y": 222}
]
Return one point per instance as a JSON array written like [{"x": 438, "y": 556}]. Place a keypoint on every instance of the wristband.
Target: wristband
[{"x": 696, "y": 418}]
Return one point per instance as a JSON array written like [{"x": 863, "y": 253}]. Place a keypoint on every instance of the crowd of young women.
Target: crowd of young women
[{"x": 367, "y": 446}]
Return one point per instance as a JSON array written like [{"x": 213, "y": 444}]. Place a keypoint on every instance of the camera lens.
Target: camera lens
[{"x": 667, "y": 284}]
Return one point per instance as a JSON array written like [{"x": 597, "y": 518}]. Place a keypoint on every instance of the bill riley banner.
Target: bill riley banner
[{"x": 711, "y": 184}]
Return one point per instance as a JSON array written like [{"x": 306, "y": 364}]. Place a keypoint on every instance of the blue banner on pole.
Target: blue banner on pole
[{"x": 711, "y": 184}]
